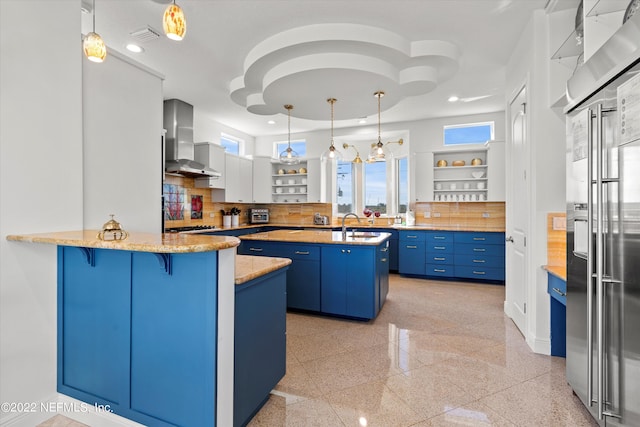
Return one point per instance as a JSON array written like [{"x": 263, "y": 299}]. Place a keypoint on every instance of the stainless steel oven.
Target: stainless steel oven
[{"x": 259, "y": 216}]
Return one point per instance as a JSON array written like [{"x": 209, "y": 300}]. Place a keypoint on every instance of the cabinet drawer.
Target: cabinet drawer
[
  {"x": 412, "y": 236},
  {"x": 484, "y": 273},
  {"x": 437, "y": 237},
  {"x": 481, "y": 238},
  {"x": 440, "y": 258},
  {"x": 440, "y": 270},
  {"x": 439, "y": 248},
  {"x": 308, "y": 252},
  {"x": 557, "y": 289},
  {"x": 480, "y": 249},
  {"x": 479, "y": 260}
]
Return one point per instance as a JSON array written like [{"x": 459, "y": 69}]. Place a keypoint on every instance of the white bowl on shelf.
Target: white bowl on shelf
[
  {"x": 278, "y": 182},
  {"x": 278, "y": 190},
  {"x": 480, "y": 186},
  {"x": 477, "y": 174}
]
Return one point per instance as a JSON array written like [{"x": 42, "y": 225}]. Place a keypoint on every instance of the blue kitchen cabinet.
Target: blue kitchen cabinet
[
  {"x": 383, "y": 261},
  {"x": 479, "y": 255},
  {"x": 235, "y": 232},
  {"x": 412, "y": 252},
  {"x": 439, "y": 253},
  {"x": 557, "y": 289},
  {"x": 393, "y": 245},
  {"x": 303, "y": 276},
  {"x": 136, "y": 339},
  {"x": 260, "y": 342},
  {"x": 350, "y": 286}
]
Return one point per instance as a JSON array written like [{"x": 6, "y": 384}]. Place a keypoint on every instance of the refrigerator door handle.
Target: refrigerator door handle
[
  {"x": 589, "y": 257},
  {"x": 599, "y": 263}
]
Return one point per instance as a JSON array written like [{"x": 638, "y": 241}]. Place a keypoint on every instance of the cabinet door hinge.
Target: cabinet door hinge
[
  {"x": 525, "y": 308},
  {"x": 525, "y": 241},
  {"x": 524, "y": 108}
]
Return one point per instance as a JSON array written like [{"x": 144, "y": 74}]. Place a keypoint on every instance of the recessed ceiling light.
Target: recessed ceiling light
[
  {"x": 271, "y": 122},
  {"x": 134, "y": 48},
  {"x": 453, "y": 98},
  {"x": 362, "y": 121}
]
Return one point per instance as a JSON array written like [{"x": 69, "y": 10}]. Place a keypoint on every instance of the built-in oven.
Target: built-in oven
[{"x": 258, "y": 216}]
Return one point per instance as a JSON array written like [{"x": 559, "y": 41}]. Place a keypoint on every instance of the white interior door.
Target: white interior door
[{"x": 518, "y": 209}]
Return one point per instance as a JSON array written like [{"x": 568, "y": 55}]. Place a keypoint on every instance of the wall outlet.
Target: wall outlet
[
  {"x": 559, "y": 223},
  {"x": 427, "y": 214},
  {"x": 485, "y": 215},
  {"x": 211, "y": 215},
  {"x": 436, "y": 214}
]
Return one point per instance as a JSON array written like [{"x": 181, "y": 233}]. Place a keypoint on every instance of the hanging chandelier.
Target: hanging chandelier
[
  {"x": 332, "y": 154},
  {"x": 378, "y": 152},
  {"x": 288, "y": 156},
  {"x": 93, "y": 45},
  {"x": 173, "y": 22}
]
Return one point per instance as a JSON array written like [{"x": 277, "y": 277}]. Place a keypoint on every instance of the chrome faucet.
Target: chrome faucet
[{"x": 344, "y": 227}]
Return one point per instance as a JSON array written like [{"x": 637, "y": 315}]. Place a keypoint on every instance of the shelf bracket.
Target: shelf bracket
[
  {"x": 89, "y": 255},
  {"x": 165, "y": 261}
]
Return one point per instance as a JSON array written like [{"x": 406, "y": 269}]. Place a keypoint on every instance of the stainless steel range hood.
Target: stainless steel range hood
[{"x": 179, "y": 147}]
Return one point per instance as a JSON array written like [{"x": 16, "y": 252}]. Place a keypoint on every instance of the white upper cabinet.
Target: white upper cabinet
[
  {"x": 262, "y": 179},
  {"x": 213, "y": 156},
  {"x": 238, "y": 181}
]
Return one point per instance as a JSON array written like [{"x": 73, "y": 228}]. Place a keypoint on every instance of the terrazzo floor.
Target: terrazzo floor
[{"x": 438, "y": 354}]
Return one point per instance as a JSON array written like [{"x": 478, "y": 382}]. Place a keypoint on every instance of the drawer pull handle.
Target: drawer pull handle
[
  {"x": 479, "y": 238},
  {"x": 559, "y": 292},
  {"x": 412, "y": 237},
  {"x": 479, "y": 272},
  {"x": 479, "y": 261},
  {"x": 256, "y": 249},
  {"x": 438, "y": 270},
  {"x": 478, "y": 250},
  {"x": 441, "y": 248},
  {"x": 384, "y": 249},
  {"x": 345, "y": 250},
  {"x": 411, "y": 247},
  {"x": 383, "y": 260},
  {"x": 439, "y": 259},
  {"x": 302, "y": 252},
  {"x": 439, "y": 237}
]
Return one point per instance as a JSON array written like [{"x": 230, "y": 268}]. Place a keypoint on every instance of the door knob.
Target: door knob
[{"x": 509, "y": 239}]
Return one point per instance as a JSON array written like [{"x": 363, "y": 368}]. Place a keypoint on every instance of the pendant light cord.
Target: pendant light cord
[
  {"x": 332, "y": 101},
  {"x": 379, "y": 95},
  {"x": 94, "y": 16}
]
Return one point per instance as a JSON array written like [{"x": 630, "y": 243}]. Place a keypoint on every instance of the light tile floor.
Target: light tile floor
[{"x": 438, "y": 354}]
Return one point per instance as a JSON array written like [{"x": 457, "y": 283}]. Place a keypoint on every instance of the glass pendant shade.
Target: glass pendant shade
[
  {"x": 288, "y": 156},
  {"x": 378, "y": 152},
  {"x": 174, "y": 23},
  {"x": 94, "y": 47}
]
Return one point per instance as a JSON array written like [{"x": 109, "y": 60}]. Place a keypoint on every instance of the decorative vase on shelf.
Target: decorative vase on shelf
[
  {"x": 235, "y": 220},
  {"x": 226, "y": 221}
]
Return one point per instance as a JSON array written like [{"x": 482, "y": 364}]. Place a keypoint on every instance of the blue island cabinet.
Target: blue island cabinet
[
  {"x": 137, "y": 333},
  {"x": 349, "y": 273}
]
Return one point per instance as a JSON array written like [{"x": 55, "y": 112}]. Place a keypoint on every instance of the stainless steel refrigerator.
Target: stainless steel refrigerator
[{"x": 603, "y": 230}]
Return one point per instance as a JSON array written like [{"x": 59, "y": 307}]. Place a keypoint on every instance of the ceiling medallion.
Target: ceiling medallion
[{"x": 346, "y": 59}]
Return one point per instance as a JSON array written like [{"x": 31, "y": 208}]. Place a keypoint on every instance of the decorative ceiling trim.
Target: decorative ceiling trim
[{"x": 306, "y": 65}]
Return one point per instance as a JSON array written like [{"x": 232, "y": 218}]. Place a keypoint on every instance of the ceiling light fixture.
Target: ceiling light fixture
[
  {"x": 288, "y": 156},
  {"x": 357, "y": 158},
  {"x": 331, "y": 154},
  {"x": 378, "y": 152},
  {"x": 453, "y": 98},
  {"x": 134, "y": 48},
  {"x": 174, "y": 23},
  {"x": 271, "y": 122},
  {"x": 93, "y": 45}
]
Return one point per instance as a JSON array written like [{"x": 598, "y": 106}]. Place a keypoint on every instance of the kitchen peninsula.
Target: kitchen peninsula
[
  {"x": 330, "y": 274},
  {"x": 143, "y": 327}
]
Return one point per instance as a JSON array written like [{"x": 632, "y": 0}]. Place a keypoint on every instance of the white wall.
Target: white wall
[
  {"x": 205, "y": 129},
  {"x": 40, "y": 182},
  {"x": 546, "y": 133},
  {"x": 122, "y": 121}
]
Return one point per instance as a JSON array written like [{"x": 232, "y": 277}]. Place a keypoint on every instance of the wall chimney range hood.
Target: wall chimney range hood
[{"x": 179, "y": 147}]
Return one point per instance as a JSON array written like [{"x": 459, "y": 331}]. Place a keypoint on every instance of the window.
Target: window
[
  {"x": 231, "y": 144},
  {"x": 375, "y": 186},
  {"x": 470, "y": 133},
  {"x": 299, "y": 147},
  {"x": 402, "y": 180},
  {"x": 344, "y": 185}
]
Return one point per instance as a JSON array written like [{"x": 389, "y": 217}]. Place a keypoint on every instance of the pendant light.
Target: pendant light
[
  {"x": 378, "y": 152},
  {"x": 288, "y": 156},
  {"x": 174, "y": 23},
  {"x": 93, "y": 45},
  {"x": 332, "y": 154}
]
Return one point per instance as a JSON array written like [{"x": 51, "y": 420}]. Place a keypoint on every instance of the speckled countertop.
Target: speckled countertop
[
  {"x": 317, "y": 236},
  {"x": 427, "y": 227},
  {"x": 250, "y": 267},
  {"x": 560, "y": 271},
  {"x": 139, "y": 242}
]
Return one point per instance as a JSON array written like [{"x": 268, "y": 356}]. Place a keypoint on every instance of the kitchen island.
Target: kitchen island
[
  {"x": 145, "y": 325},
  {"x": 329, "y": 275}
]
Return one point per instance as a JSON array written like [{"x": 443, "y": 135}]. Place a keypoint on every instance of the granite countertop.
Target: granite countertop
[
  {"x": 560, "y": 271},
  {"x": 250, "y": 267},
  {"x": 357, "y": 226},
  {"x": 317, "y": 236},
  {"x": 139, "y": 242}
]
